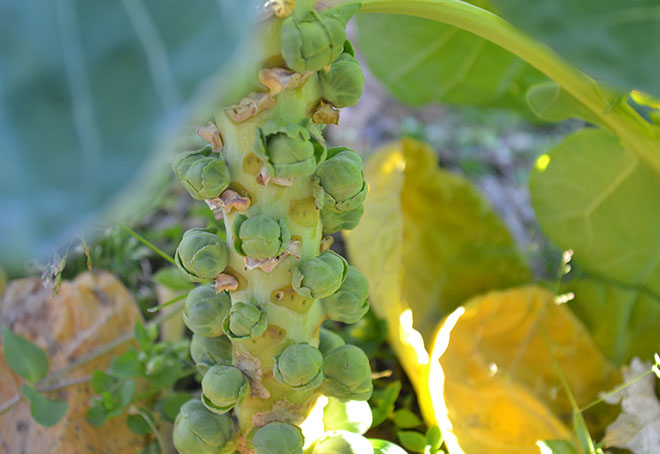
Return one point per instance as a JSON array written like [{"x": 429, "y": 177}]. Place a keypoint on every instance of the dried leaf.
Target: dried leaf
[
  {"x": 638, "y": 426},
  {"x": 86, "y": 314}
]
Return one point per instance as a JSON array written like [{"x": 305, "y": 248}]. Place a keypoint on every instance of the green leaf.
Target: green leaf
[
  {"x": 594, "y": 196},
  {"x": 171, "y": 278},
  {"x": 412, "y": 440},
  {"x": 95, "y": 94},
  {"x": 556, "y": 447},
  {"x": 127, "y": 365},
  {"x": 422, "y": 61},
  {"x": 45, "y": 411},
  {"x": 102, "y": 382},
  {"x": 167, "y": 377},
  {"x": 382, "y": 402},
  {"x": 624, "y": 321},
  {"x": 550, "y": 102},
  {"x": 405, "y": 419},
  {"x": 138, "y": 425},
  {"x": 24, "y": 357},
  {"x": 125, "y": 392},
  {"x": 385, "y": 447},
  {"x": 434, "y": 438},
  {"x": 97, "y": 415},
  {"x": 609, "y": 39},
  {"x": 143, "y": 338},
  {"x": 169, "y": 406}
]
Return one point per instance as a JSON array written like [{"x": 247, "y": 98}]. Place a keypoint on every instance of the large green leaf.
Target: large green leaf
[
  {"x": 617, "y": 42},
  {"x": 624, "y": 321},
  {"x": 423, "y": 61},
  {"x": 602, "y": 200},
  {"x": 428, "y": 236},
  {"x": 88, "y": 92}
]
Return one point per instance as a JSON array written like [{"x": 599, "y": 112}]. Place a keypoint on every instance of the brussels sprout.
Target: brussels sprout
[
  {"x": 223, "y": 387},
  {"x": 203, "y": 173},
  {"x": 207, "y": 351},
  {"x": 354, "y": 416},
  {"x": 260, "y": 237},
  {"x": 339, "y": 181},
  {"x": 313, "y": 41},
  {"x": 278, "y": 438},
  {"x": 334, "y": 221},
  {"x": 299, "y": 366},
  {"x": 348, "y": 304},
  {"x": 341, "y": 442},
  {"x": 198, "y": 431},
  {"x": 288, "y": 150},
  {"x": 318, "y": 277},
  {"x": 204, "y": 310},
  {"x": 329, "y": 340},
  {"x": 245, "y": 321},
  {"x": 347, "y": 374},
  {"x": 200, "y": 255},
  {"x": 343, "y": 84}
]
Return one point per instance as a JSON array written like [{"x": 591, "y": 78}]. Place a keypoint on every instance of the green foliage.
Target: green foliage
[
  {"x": 46, "y": 412},
  {"x": 75, "y": 93},
  {"x": 556, "y": 447},
  {"x": 24, "y": 357},
  {"x": 404, "y": 418},
  {"x": 422, "y": 61},
  {"x": 412, "y": 440},
  {"x": 385, "y": 447},
  {"x": 624, "y": 321},
  {"x": 593, "y": 195},
  {"x": 606, "y": 38},
  {"x": 382, "y": 402}
]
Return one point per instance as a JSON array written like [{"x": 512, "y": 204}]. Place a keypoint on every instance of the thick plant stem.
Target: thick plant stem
[{"x": 291, "y": 318}]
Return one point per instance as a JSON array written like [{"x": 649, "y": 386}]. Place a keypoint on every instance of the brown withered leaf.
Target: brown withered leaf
[{"x": 86, "y": 314}]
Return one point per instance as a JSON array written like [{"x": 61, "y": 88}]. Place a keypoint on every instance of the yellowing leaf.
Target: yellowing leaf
[
  {"x": 86, "y": 314},
  {"x": 494, "y": 378}
]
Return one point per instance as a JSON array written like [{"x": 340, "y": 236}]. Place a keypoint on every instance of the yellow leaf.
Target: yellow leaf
[{"x": 494, "y": 378}]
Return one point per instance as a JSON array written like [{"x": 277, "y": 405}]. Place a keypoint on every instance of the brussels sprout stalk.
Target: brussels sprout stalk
[{"x": 281, "y": 191}]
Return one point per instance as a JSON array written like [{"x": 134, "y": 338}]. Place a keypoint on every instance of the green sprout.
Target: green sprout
[
  {"x": 289, "y": 150},
  {"x": 342, "y": 85},
  {"x": 204, "y": 310},
  {"x": 329, "y": 340},
  {"x": 339, "y": 181},
  {"x": 223, "y": 387},
  {"x": 198, "y": 431},
  {"x": 334, "y": 221},
  {"x": 278, "y": 438},
  {"x": 245, "y": 321},
  {"x": 201, "y": 255},
  {"x": 349, "y": 304},
  {"x": 299, "y": 366},
  {"x": 260, "y": 237},
  {"x": 208, "y": 351},
  {"x": 203, "y": 173},
  {"x": 318, "y": 277},
  {"x": 347, "y": 375}
]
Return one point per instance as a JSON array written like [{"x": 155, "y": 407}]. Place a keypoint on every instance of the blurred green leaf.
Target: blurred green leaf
[
  {"x": 97, "y": 415},
  {"x": 92, "y": 94},
  {"x": 45, "y": 411},
  {"x": 24, "y": 357},
  {"x": 171, "y": 278},
  {"x": 138, "y": 425},
  {"x": 142, "y": 336},
  {"x": 434, "y": 438},
  {"x": 169, "y": 406},
  {"x": 102, "y": 382},
  {"x": 382, "y": 402},
  {"x": 126, "y": 391},
  {"x": 556, "y": 447},
  {"x": 127, "y": 365},
  {"x": 405, "y": 419},
  {"x": 594, "y": 196},
  {"x": 422, "y": 61},
  {"x": 613, "y": 41},
  {"x": 385, "y": 447},
  {"x": 624, "y": 321},
  {"x": 550, "y": 102},
  {"x": 412, "y": 440}
]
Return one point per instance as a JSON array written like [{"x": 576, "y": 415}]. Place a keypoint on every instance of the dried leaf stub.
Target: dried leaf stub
[
  {"x": 229, "y": 200},
  {"x": 211, "y": 134},
  {"x": 250, "y": 106},
  {"x": 269, "y": 264},
  {"x": 492, "y": 384},
  {"x": 86, "y": 314},
  {"x": 325, "y": 113},
  {"x": 281, "y": 8},
  {"x": 263, "y": 178},
  {"x": 638, "y": 426},
  {"x": 279, "y": 79}
]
